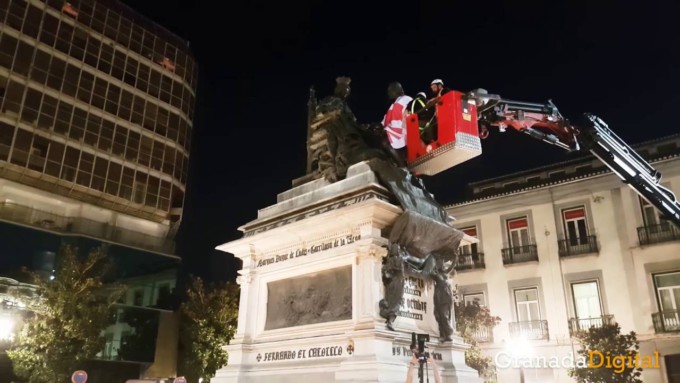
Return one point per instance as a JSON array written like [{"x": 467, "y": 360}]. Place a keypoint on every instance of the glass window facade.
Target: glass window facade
[{"x": 95, "y": 95}]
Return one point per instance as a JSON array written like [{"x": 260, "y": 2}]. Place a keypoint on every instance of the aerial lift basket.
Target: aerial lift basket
[{"x": 457, "y": 139}]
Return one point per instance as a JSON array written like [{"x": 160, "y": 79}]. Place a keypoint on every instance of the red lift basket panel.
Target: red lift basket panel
[{"x": 457, "y": 138}]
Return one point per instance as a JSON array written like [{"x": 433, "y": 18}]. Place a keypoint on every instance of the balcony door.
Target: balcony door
[
  {"x": 528, "y": 309},
  {"x": 575, "y": 226},
  {"x": 527, "y": 304},
  {"x": 668, "y": 291},
  {"x": 587, "y": 304},
  {"x": 518, "y": 233},
  {"x": 470, "y": 249},
  {"x": 650, "y": 215}
]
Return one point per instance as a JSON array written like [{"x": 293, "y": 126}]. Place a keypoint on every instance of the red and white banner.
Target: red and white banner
[{"x": 395, "y": 122}]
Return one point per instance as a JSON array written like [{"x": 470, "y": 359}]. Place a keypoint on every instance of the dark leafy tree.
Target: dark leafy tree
[
  {"x": 209, "y": 317},
  {"x": 599, "y": 344},
  {"x": 69, "y": 317},
  {"x": 473, "y": 319}
]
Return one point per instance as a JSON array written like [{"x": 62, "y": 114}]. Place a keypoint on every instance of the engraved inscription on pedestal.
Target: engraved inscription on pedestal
[
  {"x": 414, "y": 304},
  {"x": 325, "y": 296}
]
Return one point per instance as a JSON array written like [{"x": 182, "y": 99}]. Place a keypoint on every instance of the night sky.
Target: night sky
[{"x": 257, "y": 60}]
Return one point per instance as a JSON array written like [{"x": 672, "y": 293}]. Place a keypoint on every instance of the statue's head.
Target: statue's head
[
  {"x": 394, "y": 90},
  {"x": 342, "y": 88}
]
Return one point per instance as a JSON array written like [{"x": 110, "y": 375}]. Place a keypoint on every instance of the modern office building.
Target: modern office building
[
  {"x": 569, "y": 246},
  {"x": 96, "y": 110}
]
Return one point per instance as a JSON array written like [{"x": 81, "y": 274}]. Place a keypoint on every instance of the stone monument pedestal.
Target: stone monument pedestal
[{"x": 311, "y": 284}]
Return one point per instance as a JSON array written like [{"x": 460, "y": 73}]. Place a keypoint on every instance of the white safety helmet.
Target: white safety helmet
[{"x": 437, "y": 81}]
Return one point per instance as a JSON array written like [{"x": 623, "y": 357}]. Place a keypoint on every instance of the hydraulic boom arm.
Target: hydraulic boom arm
[{"x": 544, "y": 122}]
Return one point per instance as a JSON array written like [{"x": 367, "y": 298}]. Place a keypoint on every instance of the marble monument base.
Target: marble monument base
[{"x": 310, "y": 287}]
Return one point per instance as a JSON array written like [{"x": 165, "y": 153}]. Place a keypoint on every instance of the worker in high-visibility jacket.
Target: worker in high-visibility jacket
[
  {"x": 394, "y": 121},
  {"x": 418, "y": 106}
]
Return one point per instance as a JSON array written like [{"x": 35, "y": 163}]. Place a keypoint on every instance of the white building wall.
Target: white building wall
[{"x": 622, "y": 267}]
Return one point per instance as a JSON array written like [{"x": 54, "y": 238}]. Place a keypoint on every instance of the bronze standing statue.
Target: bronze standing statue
[{"x": 421, "y": 241}]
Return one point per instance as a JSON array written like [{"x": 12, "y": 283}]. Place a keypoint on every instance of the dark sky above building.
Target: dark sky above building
[{"x": 257, "y": 60}]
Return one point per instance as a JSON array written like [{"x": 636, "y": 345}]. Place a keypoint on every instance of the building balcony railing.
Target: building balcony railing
[
  {"x": 83, "y": 226},
  {"x": 666, "y": 321},
  {"x": 663, "y": 232},
  {"x": 530, "y": 330},
  {"x": 519, "y": 254},
  {"x": 577, "y": 325},
  {"x": 470, "y": 261},
  {"x": 576, "y": 246},
  {"x": 484, "y": 334}
]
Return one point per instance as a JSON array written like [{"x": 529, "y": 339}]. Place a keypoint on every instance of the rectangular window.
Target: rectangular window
[
  {"x": 106, "y": 135},
  {"x": 557, "y": 175},
  {"x": 64, "y": 115},
  {"x": 78, "y": 123},
  {"x": 48, "y": 111},
  {"x": 6, "y": 138},
  {"x": 55, "y": 157},
  {"x": 13, "y": 96},
  {"x": 650, "y": 215},
  {"x": 92, "y": 52},
  {"x": 29, "y": 113},
  {"x": 668, "y": 290},
  {"x": 105, "y": 58},
  {"x": 79, "y": 44},
  {"x": 126, "y": 183},
  {"x": 22, "y": 61},
  {"x": 41, "y": 67},
  {"x": 138, "y": 297},
  {"x": 139, "y": 187},
  {"x": 118, "y": 68},
  {"x": 169, "y": 161},
  {"x": 527, "y": 305},
  {"x": 15, "y": 16},
  {"x": 64, "y": 37},
  {"x": 575, "y": 225},
  {"x": 113, "y": 178},
  {"x": 85, "y": 169},
  {"x": 99, "y": 175},
  {"x": 668, "y": 293},
  {"x": 132, "y": 147},
  {"x": 119, "y": 140},
  {"x": 471, "y": 248},
  {"x": 112, "y": 99},
  {"x": 85, "y": 87},
  {"x": 48, "y": 33},
  {"x": 68, "y": 171},
  {"x": 22, "y": 147},
  {"x": 71, "y": 79},
  {"x": 99, "y": 93},
  {"x": 518, "y": 232},
  {"x": 164, "y": 196},
  {"x": 92, "y": 130},
  {"x": 55, "y": 79},
  {"x": 479, "y": 298},
  {"x": 32, "y": 22},
  {"x": 38, "y": 153},
  {"x": 587, "y": 303}
]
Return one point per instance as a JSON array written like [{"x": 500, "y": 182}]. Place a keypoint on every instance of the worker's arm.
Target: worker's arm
[
  {"x": 413, "y": 363},
  {"x": 435, "y": 370}
]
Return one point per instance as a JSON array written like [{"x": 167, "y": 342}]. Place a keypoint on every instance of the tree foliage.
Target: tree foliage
[
  {"x": 471, "y": 319},
  {"x": 209, "y": 318},
  {"x": 607, "y": 341},
  {"x": 69, "y": 318}
]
